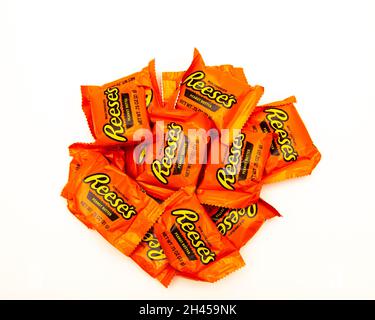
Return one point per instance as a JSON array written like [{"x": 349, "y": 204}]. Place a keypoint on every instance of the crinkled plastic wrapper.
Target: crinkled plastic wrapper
[
  {"x": 173, "y": 179},
  {"x": 293, "y": 154},
  {"x": 172, "y": 80},
  {"x": 107, "y": 200},
  {"x": 240, "y": 225},
  {"x": 150, "y": 256},
  {"x": 175, "y": 163},
  {"x": 192, "y": 242},
  {"x": 225, "y": 99},
  {"x": 116, "y": 110},
  {"x": 236, "y": 181}
]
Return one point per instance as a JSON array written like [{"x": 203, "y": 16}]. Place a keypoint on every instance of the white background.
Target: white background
[{"x": 321, "y": 51}]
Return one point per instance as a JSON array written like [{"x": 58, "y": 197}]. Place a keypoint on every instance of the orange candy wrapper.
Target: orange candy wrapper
[
  {"x": 293, "y": 153},
  {"x": 145, "y": 183},
  {"x": 150, "y": 256},
  {"x": 115, "y": 155},
  {"x": 221, "y": 96},
  {"x": 117, "y": 109},
  {"x": 172, "y": 80},
  {"x": 170, "y": 83},
  {"x": 107, "y": 200},
  {"x": 170, "y": 170},
  {"x": 191, "y": 241},
  {"x": 236, "y": 181},
  {"x": 240, "y": 225}
]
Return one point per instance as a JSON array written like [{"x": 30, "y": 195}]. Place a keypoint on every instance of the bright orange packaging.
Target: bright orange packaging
[
  {"x": 293, "y": 153},
  {"x": 116, "y": 110},
  {"x": 225, "y": 99},
  {"x": 145, "y": 78},
  {"x": 107, "y": 200},
  {"x": 135, "y": 156},
  {"x": 172, "y": 80},
  {"x": 115, "y": 155},
  {"x": 150, "y": 256},
  {"x": 170, "y": 84},
  {"x": 240, "y": 225},
  {"x": 234, "y": 180},
  {"x": 191, "y": 241},
  {"x": 176, "y": 161}
]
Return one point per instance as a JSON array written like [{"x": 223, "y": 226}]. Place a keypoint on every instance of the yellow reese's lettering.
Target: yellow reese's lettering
[
  {"x": 186, "y": 218},
  {"x": 227, "y": 175},
  {"x": 277, "y": 118},
  {"x": 234, "y": 215},
  {"x": 195, "y": 82},
  {"x": 155, "y": 251},
  {"x": 99, "y": 183},
  {"x": 162, "y": 168},
  {"x": 115, "y": 128}
]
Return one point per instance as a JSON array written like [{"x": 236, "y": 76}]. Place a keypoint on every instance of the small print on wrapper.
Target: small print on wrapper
[
  {"x": 293, "y": 153},
  {"x": 116, "y": 110},
  {"x": 191, "y": 241}
]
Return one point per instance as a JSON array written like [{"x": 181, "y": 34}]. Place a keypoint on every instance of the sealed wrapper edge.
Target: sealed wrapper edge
[
  {"x": 165, "y": 277},
  {"x": 220, "y": 269},
  {"x": 225, "y": 198},
  {"x": 87, "y": 106},
  {"x": 289, "y": 100},
  {"x": 225, "y": 266},
  {"x": 299, "y": 169},
  {"x": 249, "y": 104}
]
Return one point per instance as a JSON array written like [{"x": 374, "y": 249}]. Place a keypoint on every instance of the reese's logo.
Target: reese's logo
[
  {"x": 277, "y": 119},
  {"x": 195, "y": 82},
  {"x": 114, "y": 129},
  {"x": 99, "y": 183},
  {"x": 227, "y": 176},
  {"x": 186, "y": 219},
  {"x": 162, "y": 168}
]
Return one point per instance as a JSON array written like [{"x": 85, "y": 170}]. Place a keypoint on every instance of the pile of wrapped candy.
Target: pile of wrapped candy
[{"x": 174, "y": 176}]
